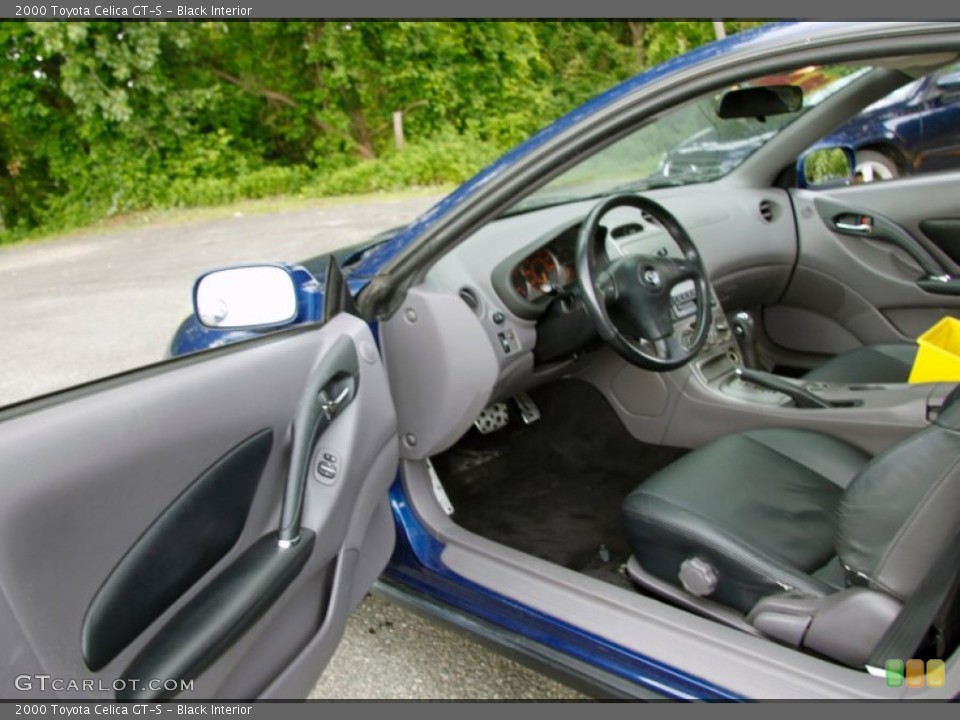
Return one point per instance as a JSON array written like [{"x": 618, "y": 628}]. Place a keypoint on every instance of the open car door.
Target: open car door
[{"x": 201, "y": 528}]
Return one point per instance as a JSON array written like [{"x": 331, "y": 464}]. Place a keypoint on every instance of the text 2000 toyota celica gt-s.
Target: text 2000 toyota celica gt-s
[{"x": 666, "y": 435}]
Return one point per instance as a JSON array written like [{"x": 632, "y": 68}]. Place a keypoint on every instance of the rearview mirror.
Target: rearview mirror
[
  {"x": 246, "y": 297},
  {"x": 826, "y": 167},
  {"x": 760, "y": 102}
]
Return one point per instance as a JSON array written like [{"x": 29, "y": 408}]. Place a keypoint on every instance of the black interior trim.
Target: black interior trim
[
  {"x": 216, "y": 618},
  {"x": 945, "y": 286},
  {"x": 191, "y": 535},
  {"x": 945, "y": 234},
  {"x": 336, "y": 296}
]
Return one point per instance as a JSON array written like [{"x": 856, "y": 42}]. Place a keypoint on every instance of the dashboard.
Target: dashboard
[
  {"x": 526, "y": 281},
  {"x": 517, "y": 274}
]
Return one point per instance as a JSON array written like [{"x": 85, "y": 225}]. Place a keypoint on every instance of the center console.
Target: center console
[{"x": 720, "y": 395}]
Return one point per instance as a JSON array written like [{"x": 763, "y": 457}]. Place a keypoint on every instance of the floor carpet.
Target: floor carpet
[{"x": 553, "y": 489}]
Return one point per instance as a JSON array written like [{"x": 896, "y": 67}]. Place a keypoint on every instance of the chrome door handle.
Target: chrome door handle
[
  {"x": 861, "y": 228},
  {"x": 330, "y": 407}
]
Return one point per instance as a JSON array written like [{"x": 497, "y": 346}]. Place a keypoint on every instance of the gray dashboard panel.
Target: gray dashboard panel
[
  {"x": 442, "y": 367},
  {"x": 748, "y": 257}
]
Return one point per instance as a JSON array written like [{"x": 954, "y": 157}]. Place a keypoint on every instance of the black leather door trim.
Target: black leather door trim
[
  {"x": 216, "y": 618},
  {"x": 945, "y": 234},
  {"x": 195, "y": 531}
]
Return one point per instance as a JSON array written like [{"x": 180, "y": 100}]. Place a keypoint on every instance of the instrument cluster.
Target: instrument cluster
[{"x": 544, "y": 270}]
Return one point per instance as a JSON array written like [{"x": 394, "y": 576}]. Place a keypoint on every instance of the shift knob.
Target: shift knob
[{"x": 745, "y": 332}]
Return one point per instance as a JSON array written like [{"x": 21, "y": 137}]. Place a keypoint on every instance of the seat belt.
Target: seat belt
[{"x": 910, "y": 627}]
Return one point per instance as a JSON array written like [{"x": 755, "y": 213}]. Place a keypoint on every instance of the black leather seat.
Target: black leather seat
[
  {"x": 797, "y": 535},
  {"x": 869, "y": 364}
]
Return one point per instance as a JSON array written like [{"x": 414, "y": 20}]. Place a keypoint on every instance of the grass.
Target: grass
[{"x": 264, "y": 206}]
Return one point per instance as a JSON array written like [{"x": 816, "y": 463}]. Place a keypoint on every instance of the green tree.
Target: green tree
[{"x": 105, "y": 117}]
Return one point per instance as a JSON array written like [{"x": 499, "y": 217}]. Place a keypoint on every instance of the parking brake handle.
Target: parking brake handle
[{"x": 801, "y": 397}]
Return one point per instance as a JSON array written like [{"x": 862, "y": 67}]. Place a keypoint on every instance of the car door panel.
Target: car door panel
[
  {"x": 134, "y": 501},
  {"x": 849, "y": 290}
]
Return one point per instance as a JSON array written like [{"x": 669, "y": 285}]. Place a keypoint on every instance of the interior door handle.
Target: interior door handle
[
  {"x": 330, "y": 407},
  {"x": 863, "y": 228},
  {"x": 850, "y": 221}
]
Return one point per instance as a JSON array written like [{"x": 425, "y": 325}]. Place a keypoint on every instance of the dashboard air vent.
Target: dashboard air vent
[
  {"x": 766, "y": 210},
  {"x": 470, "y": 298}
]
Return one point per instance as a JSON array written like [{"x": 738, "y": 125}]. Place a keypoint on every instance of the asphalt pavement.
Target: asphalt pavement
[{"x": 82, "y": 307}]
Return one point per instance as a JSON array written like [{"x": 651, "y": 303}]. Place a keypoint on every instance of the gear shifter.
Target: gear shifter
[{"x": 745, "y": 332}]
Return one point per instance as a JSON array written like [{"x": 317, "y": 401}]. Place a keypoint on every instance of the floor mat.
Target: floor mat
[{"x": 553, "y": 489}]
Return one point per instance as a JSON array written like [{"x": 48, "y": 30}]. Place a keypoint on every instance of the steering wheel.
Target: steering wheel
[{"x": 628, "y": 298}]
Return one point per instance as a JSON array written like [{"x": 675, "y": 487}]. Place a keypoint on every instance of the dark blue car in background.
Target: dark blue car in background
[
  {"x": 637, "y": 418},
  {"x": 914, "y": 129}
]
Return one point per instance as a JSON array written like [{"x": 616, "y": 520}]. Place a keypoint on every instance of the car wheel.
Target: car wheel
[{"x": 873, "y": 165}]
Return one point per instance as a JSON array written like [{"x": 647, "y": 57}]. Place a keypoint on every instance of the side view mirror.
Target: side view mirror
[
  {"x": 949, "y": 83},
  {"x": 826, "y": 167},
  {"x": 250, "y": 296}
]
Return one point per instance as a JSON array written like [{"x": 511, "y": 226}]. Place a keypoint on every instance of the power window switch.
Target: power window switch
[{"x": 327, "y": 472}]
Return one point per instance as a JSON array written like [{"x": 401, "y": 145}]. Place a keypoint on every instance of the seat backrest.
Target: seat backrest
[{"x": 901, "y": 509}]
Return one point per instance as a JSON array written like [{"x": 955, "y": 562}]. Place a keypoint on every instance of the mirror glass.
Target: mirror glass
[
  {"x": 252, "y": 296},
  {"x": 826, "y": 165}
]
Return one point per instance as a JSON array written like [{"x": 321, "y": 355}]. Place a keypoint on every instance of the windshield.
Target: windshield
[{"x": 688, "y": 144}]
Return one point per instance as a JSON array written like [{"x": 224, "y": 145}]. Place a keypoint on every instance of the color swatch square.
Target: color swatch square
[
  {"x": 936, "y": 673},
  {"x": 894, "y": 670},
  {"x": 915, "y": 670}
]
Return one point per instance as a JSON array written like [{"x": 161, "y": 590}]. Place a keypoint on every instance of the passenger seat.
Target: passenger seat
[{"x": 869, "y": 364}]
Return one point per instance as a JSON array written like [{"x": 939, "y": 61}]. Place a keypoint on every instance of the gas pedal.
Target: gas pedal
[
  {"x": 493, "y": 418},
  {"x": 528, "y": 408}
]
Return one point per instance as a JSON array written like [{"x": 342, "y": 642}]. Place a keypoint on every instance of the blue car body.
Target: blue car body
[{"x": 416, "y": 573}]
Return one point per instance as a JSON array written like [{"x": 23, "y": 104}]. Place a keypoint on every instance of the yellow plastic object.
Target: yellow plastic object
[{"x": 939, "y": 357}]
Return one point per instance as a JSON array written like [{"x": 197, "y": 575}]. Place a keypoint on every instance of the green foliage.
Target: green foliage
[
  {"x": 449, "y": 158},
  {"x": 826, "y": 165},
  {"x": 101, "y": 118}
]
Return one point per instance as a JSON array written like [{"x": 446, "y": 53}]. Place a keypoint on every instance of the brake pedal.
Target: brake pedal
[
  {"x": 493, "y": 418},
  {"x": 529, "y": 411}
]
